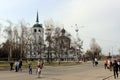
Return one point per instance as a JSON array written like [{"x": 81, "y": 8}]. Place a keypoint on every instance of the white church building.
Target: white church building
[{"x": 37, "y": 40}]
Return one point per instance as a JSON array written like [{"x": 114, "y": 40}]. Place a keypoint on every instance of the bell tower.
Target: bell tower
[{"x": 38, "y": 37}]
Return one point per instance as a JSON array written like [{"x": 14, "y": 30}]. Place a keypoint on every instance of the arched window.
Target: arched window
[
  {"x": 35, "y": 30},
  {"x": 39, "y": 30}
]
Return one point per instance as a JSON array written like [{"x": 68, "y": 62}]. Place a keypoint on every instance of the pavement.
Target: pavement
[
  {"x": 77, "y": 72},
  {"x": 98, "y": 74}
]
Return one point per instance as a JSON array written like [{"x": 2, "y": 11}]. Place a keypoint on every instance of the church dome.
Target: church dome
[{"x": 37, "y": 25}]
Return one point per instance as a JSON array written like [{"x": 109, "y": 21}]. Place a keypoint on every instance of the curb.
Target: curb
[{"x": 107, "y": 77}]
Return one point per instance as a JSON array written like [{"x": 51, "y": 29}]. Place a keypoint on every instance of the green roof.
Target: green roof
[{"x": 37, "y": 25}]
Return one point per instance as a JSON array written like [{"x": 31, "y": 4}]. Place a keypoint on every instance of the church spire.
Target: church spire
[{"x": 37, "y": 19}]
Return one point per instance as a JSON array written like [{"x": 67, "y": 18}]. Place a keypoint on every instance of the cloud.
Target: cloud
[{"x": 101, "y": 18}]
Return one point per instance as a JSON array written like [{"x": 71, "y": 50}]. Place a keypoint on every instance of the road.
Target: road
[
  {"x": 84, "y": 71},
  {"x": 70, "y": 69}
]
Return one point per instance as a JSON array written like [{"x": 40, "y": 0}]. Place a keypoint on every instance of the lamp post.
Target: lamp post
[
  {"x": 78, "y": 40},
  {"x": 77, "y": 30}
]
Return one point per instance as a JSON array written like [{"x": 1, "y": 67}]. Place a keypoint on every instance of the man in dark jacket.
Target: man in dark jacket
[
  {"x": 20, "y": 64},
  {"x": 11, "y": 65},
  {"x": 115, "y": 69}
]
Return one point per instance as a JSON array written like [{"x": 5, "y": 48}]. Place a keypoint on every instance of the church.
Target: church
[
  {"x": 37, "y": 43},
  {"x": 38, "y": 49}
]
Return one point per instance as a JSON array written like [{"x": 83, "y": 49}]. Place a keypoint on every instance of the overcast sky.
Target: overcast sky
[{"x": 100, "y": 18}]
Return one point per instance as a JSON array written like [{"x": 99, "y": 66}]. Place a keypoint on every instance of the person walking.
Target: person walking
[
  {"x": 105, "y": 64},
  {"x": 111, "y": 64},
  {"x": 39, "y": 71},
  {"x": 16, "y": 65},
  {"x": 96, "y": 62},
  {"x": 119, "y": 65},
  {"x": 30, "y": 67},
  {"x": 108, "y": 64},
  {"x": 40, "y": 64},
  {"x": 11, "y": 65},
  {"x": 115, "y": 69},
  {"x": 20, "y": 64}
]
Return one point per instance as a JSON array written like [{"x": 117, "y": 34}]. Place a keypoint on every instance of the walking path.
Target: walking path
[
  {"x": 98, "y": 74},
  {"x": 77, "y": 72}
]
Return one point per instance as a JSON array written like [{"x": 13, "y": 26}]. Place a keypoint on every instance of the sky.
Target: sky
[{"x": 100, "y": 18}]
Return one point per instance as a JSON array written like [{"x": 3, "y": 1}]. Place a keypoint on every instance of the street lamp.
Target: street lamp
[{"x": 78, "y": 40}]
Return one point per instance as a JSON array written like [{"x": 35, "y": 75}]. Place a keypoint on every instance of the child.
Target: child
[
  {"x": 105, "y": 64},
  {"x": 30, "y": 67},
  {"x": 16, "y": 66},
  {"x": 39, "y": 71}
]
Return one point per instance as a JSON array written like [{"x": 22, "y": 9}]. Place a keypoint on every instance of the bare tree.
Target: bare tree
[
  {"x": 95, "y": 48},
  {"x": 78, "y": 46},
  {"x": 89, "y": 54},
  {"x": 24, "y": 38},
  {"x": 56, "y": 35},
  {"x": 49, "y": 25},
  {"x": 9, "y": 32}
]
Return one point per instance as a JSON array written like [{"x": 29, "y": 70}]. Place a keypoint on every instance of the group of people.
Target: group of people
[
  {"x": 39, "y": 67},
  {"x": 18, "y": 65},
  {"x": 115, "y": 66}
]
